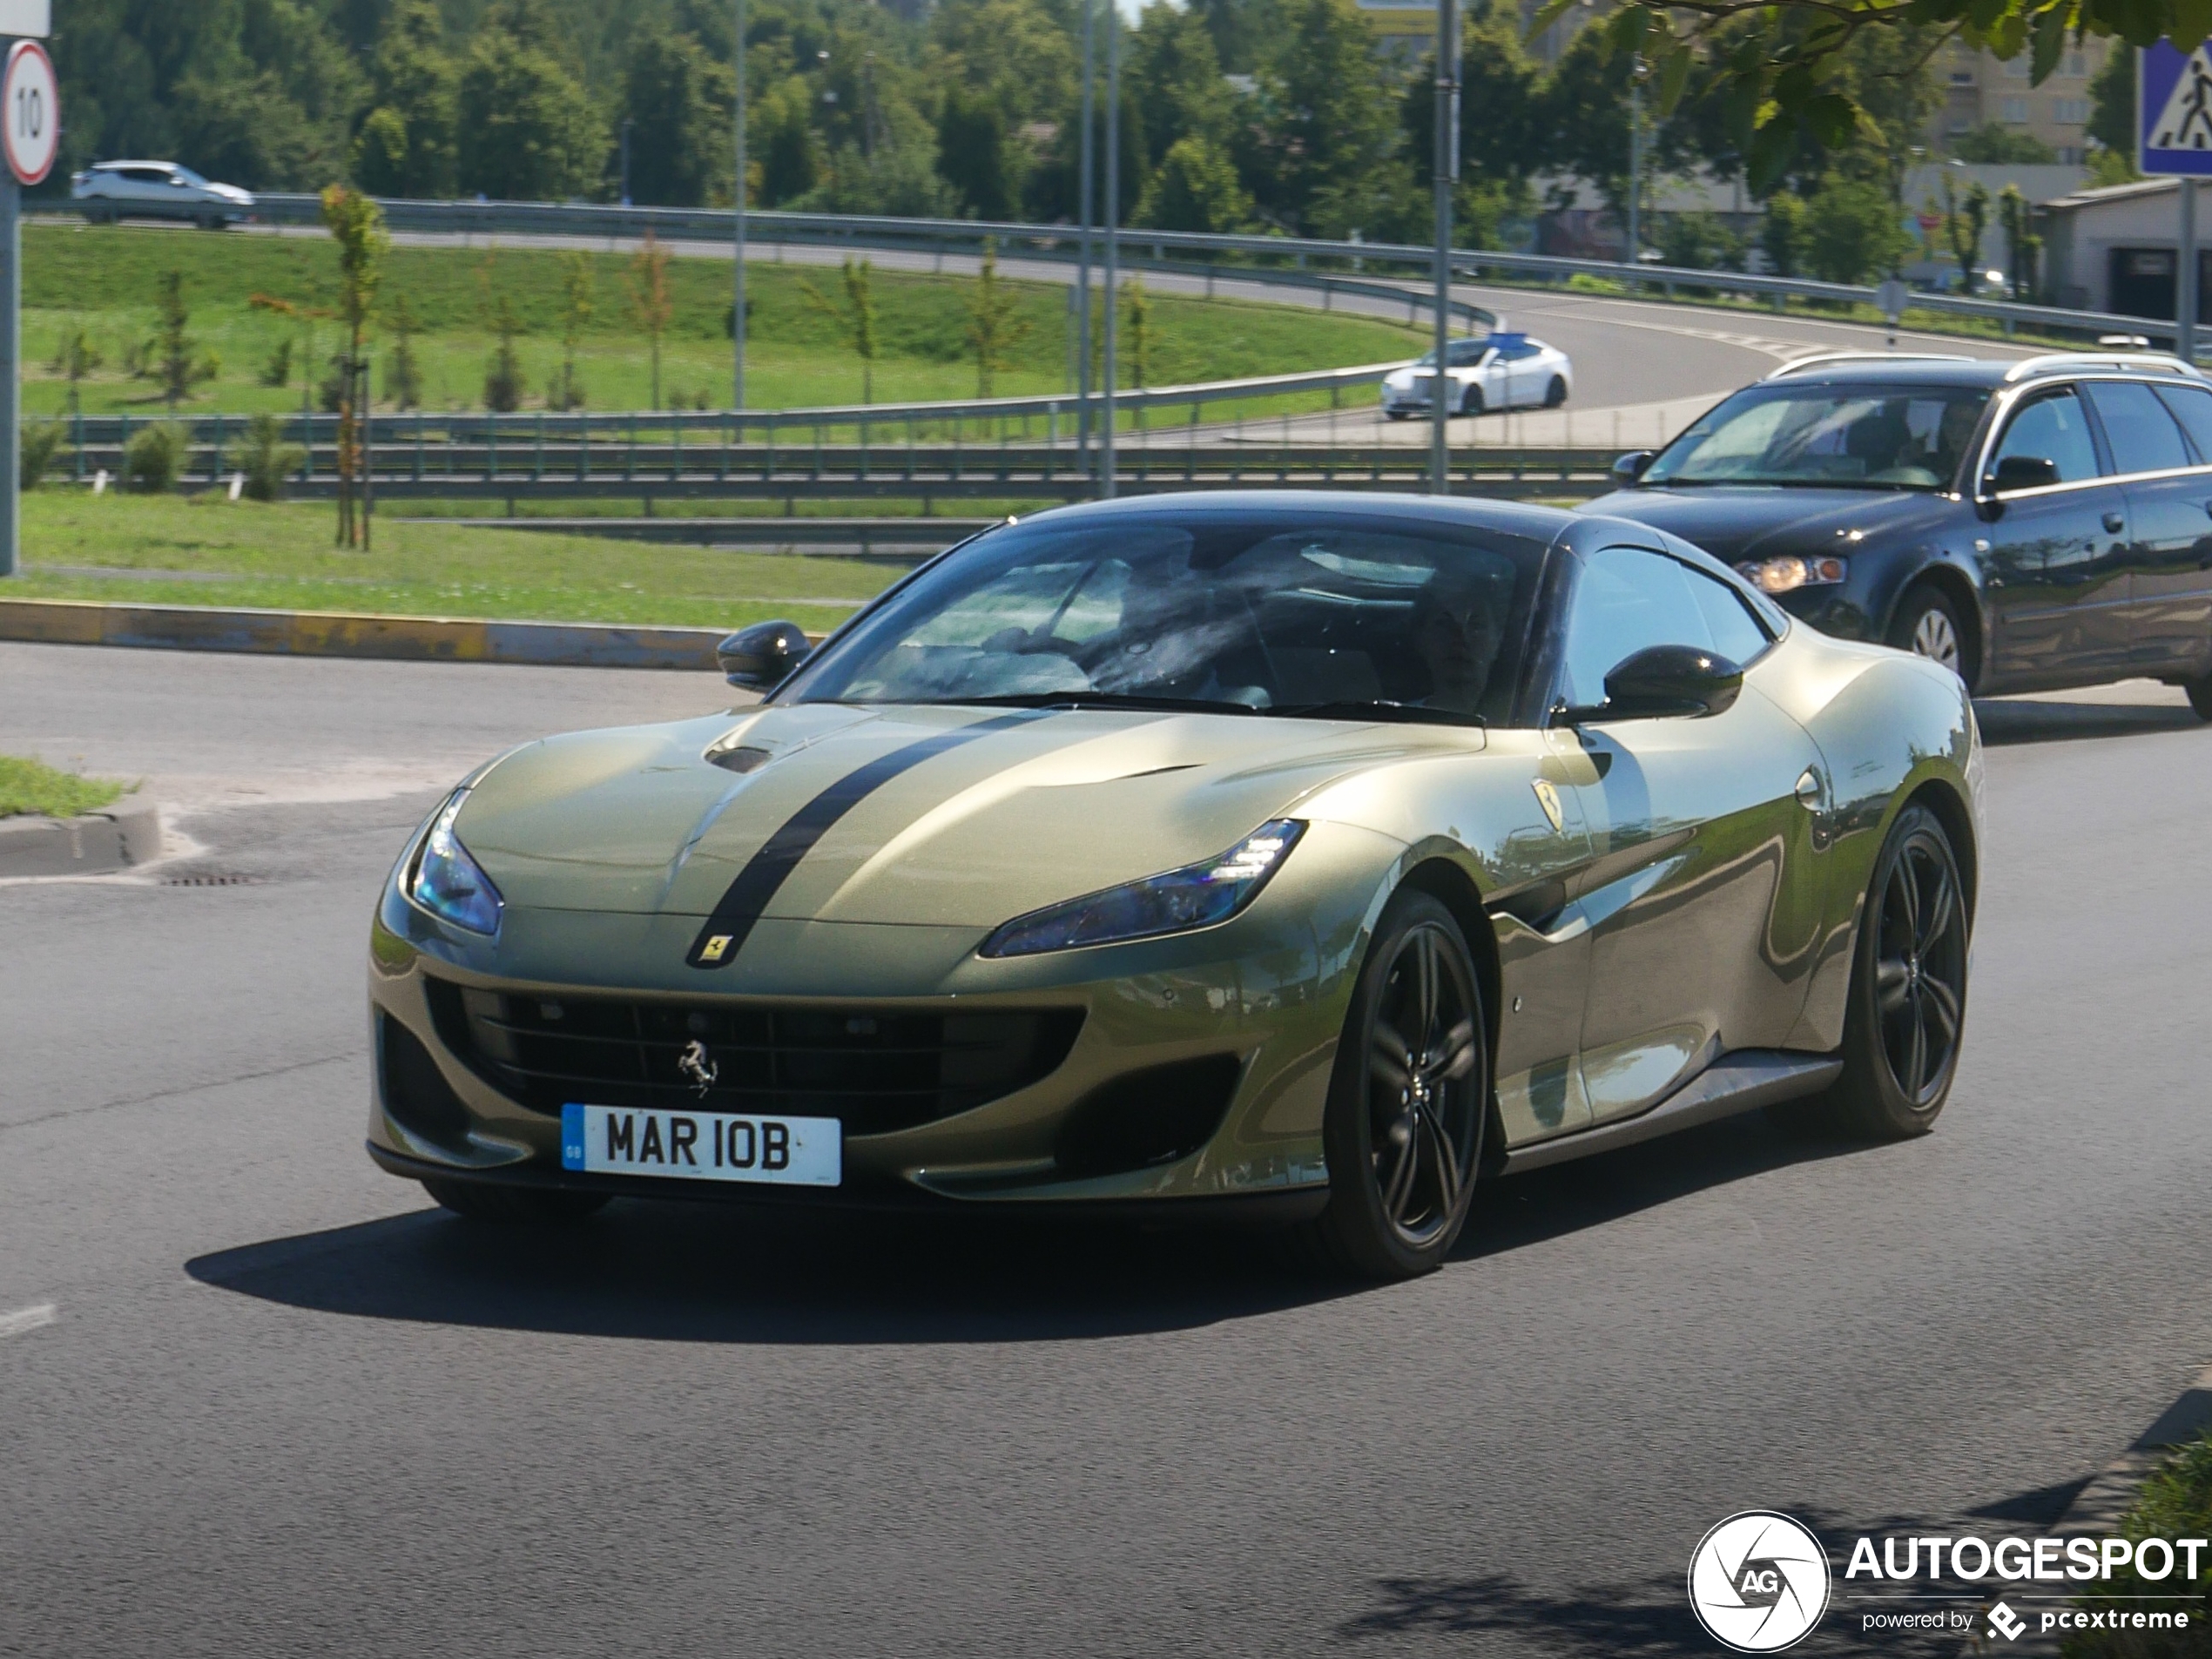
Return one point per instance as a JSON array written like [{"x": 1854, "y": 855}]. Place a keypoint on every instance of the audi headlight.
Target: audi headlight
[
  {"x": 449, "y": 883},
  {"x": 1787, "y": 574},
  {"x": 1198, "y": 895}
]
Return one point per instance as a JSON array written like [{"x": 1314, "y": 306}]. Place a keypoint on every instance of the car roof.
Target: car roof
[
  {"x": 1516, "y": 518},
  {"x": 1987, "y": 373},
  {"x": 112, "y": 166}
]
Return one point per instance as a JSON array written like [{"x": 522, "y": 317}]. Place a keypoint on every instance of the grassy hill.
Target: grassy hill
[{"x": 106, "y": 281}]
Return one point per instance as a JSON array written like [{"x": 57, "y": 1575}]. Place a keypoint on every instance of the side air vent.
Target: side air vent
[
  {"x": 416, "y": 1095},
  {"x": 1148, "y": 1117}
]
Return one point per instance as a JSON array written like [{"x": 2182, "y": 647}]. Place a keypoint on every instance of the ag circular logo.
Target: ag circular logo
[{"x": 1758, "y": 1582}]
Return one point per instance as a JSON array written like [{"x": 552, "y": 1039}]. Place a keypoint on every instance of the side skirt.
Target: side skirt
[{"x": 1736, "y": 1082}]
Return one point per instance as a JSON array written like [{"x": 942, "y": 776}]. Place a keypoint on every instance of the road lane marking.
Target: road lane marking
[{"x": 23, "y": 1320}]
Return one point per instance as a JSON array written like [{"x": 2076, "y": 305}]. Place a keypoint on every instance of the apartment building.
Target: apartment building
[{"x": 1982, "y": 92}]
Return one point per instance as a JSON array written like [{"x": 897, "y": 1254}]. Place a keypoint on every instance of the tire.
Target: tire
[
  {"x": 2200, "y": 692},
  {"x": 1471, "y": 402},
  {"x": 1401, "y": 1169},
  {"x": 526, "y": 1206},
  {"x": 1556, "y": 393},
  {"x": 1927, "y": 624},
  {"x": 1908, "y": 974},
  {"x": 1395, "y": 415}
]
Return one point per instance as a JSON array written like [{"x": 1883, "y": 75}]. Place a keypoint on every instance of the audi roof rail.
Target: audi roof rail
[
  {"x": 1824, "y": 359},
  {"x": 2141, "y": 362}
]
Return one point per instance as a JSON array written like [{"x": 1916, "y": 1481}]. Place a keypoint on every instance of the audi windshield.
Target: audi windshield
[{"x": 1857, "y": 437}]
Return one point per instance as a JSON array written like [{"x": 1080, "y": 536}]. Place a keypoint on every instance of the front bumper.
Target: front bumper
[{"x": 1268, "y": 990}]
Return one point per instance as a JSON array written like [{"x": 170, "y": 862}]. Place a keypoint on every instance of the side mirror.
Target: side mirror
[
  {"x": 1631, "y": 466},
  {"x": 762, "y": 657},
  {"x": 2023, "y": 472},
  {"x": 1663, "y": 680}
]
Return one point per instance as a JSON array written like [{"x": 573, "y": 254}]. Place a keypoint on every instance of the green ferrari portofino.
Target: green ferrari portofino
[{"x": 1318, "y": 857}]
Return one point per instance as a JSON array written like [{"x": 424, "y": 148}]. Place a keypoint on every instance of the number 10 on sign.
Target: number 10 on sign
[{"x": 30, "y": 113}]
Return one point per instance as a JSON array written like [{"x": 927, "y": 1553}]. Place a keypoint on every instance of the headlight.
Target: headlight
[
  {"x": 1198, "y": 895},
  {"x": 1785, "y": 575},
  {"x": 448, "y": 883}
]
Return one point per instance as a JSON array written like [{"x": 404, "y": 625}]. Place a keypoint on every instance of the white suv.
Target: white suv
[{"x": 111, "y": 190}]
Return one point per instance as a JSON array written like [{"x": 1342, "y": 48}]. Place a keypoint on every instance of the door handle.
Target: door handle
[
  {"x": 1809, "y": 791},
  {"x": 2112, "y": 523}
]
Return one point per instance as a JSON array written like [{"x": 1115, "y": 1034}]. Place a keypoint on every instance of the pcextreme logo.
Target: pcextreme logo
[{"x": 1758, "y": 1582}]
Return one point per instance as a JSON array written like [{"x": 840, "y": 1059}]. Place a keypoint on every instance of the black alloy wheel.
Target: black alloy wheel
[
  {"x": 1472, "y": 402},
  {"x": 1410, "y": 1098},
  {"x": 526, "y": 1206},
  {"x": 1928, "y": 625},
  {"x": 1908, "y": 1012},
  {"x": 1556, "y": 393}
]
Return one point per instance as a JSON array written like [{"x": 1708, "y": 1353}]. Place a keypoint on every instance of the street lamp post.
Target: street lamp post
[
  {"x": 737, "y": 308},
  {"x": 1113, "y": 206},
  {"x": 1082, "y": 249},
  {"x": 1636, "y": 72},
  {"x": 1445, "y": 173}
]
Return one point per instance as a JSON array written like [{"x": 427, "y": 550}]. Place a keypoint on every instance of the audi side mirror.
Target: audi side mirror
[
  {"x": 761, "y": 658},
  {"x": 1663, "y": 681},
  {"x": 1631, "y": 467},
  {"x": 2023, "y": 472}
]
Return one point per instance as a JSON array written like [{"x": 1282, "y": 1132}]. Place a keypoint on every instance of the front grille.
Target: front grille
[{"x": 877, "y": 1072}]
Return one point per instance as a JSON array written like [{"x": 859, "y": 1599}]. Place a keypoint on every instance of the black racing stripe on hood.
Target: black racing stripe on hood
[{"x": 765, "y": 873}]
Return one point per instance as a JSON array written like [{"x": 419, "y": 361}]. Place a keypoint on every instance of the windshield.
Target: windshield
[
  {"x": 186, "y": 176},
  {"x": 1466, "y": 353},
  {"x": 1847, "y": 437},
  {"x": 1336, "y": 616}
]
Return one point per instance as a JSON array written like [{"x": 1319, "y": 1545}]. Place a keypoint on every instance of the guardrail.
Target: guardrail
[
  {"x": 1061, "y": 242},
  {"x": 1007, "y": 471}
]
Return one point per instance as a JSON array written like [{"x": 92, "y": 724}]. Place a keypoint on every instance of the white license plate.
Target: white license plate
[{"x": 703, "y": 1146}]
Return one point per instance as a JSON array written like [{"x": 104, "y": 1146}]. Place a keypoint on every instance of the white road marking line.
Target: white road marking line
[{"x": 23, "y": 1320}]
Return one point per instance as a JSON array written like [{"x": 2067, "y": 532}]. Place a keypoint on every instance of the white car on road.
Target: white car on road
[
  {"x": 1495, "y": 371},
  {"x": 108, "y": 190}
]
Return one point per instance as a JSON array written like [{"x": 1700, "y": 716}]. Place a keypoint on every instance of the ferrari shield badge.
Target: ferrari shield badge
[{"x": 1548, "y": 798}]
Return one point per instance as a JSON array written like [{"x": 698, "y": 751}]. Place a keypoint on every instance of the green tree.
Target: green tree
[
  {"x": 1195, "y": 188},
  {"x": 1854, "y": 233},
  {"x": 529, "y": 131},
  {"x": 1507, "y": 122},
  {"x": 356, "y": 224},
  {"x": 1137, "y": 330},
  {"x": 578, "y": 299},
  {"x": 650, "y": 299},
  {"x": 972, "y": 154},
  {"x": 1331, "y": 115},
  {"x": 403, "y": 372},
  {"x": 1993, "y": 144},
  {"x": 1022, "y": 57},
  {"x": 1965, "y": 222},
  {"x": 407, "y": 143},
  {"x": 504, "y": 385},
  {"x": 265, "y": 460},
  {"x": 1785, "y": 234},
  {"x": 993, "y": 329},
  {"x": 854, "y": 317},
  {"x": 2111, "y": 105},
  {"x": 2023, "y": 248},
  {"x": 178, "y": 364},
  {"x": 75, "y": 359},
  {"x": 1175, "y": 73},
  {"x": 680, "y": 102},
  {"x": 783, "y": 138}
]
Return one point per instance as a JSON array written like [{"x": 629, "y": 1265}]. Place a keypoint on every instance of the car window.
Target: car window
[
  {"x": 1466, "y": 353},
  {"x": 1522, "y": 352},
  {"x": 145, "y": 175},
  {"x": 2192, "y": 407},
  {"x": 1828, "y": 436},
  {"x": 2053, "y": 427},
  {"x": 1628, "y": 600},
  {"x": 2141, "y": 435}
]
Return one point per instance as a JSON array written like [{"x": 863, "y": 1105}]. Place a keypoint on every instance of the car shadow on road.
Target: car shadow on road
[
  {"x": 2006, "y": 720},
  {"x": 710, "y": 1273}
]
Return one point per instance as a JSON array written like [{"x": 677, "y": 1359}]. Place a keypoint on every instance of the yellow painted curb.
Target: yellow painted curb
[{"x": 322, "y": 633}]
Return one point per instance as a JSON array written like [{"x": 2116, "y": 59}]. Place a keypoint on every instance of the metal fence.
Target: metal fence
[{"x": 1060, "y": 242}]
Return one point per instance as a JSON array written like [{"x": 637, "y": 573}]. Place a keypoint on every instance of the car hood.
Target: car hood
[
  {"x": 232, "y": 193},
  {"x": 1756, "y": 522},
  {"x": 925, "y": 815}
]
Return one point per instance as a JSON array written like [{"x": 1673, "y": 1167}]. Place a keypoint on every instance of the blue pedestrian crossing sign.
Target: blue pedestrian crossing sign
[{"x": 2173, "y": 111}]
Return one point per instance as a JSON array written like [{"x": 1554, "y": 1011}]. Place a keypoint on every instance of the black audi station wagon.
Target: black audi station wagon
[{"x": 2031, "y": 525}]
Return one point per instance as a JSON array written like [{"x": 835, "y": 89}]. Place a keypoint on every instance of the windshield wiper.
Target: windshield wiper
[
  {"x": 1091, "y": 701},
  {"x": 1380, "y": 709}
]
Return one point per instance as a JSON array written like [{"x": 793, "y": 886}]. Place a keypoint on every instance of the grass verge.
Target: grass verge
[
  {"x": 33, "y": 786},
  {"x": 2175, "y": 1502},
  {"x": 205, "y": 550}
]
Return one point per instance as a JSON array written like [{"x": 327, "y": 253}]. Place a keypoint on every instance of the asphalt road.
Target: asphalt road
[{"x": 281, "y": 1406}]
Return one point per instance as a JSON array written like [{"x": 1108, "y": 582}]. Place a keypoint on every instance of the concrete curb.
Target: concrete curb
[
  {"x": 2111, "y": 1492},
  {"x": 97, "y": 844},
  {"x": 321, "y": 633}
]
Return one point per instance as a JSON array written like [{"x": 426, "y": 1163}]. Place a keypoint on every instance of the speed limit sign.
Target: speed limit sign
[{"x": 30, "y": 110}]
